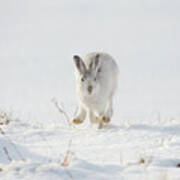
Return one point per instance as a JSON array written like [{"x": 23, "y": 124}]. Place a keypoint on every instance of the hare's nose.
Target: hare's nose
[{"x": 90, "y": 88}]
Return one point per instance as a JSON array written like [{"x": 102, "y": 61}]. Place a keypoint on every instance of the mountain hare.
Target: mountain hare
[{"x": 96, "y": 82}]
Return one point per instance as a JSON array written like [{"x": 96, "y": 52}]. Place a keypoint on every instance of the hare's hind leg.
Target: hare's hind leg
[
  {"x": 95, "y": 119},
  {"x": 108, "y": 113},
  {"x": 80, "y": 117},
  {"x": 92, "y": 117}
]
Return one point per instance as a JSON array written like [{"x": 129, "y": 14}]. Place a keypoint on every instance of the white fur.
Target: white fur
[{"x": 102, "y": 77}]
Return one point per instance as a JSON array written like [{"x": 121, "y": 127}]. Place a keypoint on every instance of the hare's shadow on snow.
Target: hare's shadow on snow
[{"x": 114, "y": 127}]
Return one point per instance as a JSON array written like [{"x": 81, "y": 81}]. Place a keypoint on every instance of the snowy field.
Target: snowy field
[{"x": 37, "y": 41}]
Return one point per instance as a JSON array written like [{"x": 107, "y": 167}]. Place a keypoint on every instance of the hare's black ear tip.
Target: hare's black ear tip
[{"x": 76, "y": 57}]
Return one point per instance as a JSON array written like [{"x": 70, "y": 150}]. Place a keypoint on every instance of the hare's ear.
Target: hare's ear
[
  {"x": 79, "y": 64},
  {"x": 95, "y": 63}
]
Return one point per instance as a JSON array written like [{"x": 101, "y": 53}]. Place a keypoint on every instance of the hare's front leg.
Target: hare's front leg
[{"x": 80, "y": 117}]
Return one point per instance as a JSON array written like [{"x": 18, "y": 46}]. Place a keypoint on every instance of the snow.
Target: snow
[{"x": 37, "y": 42}]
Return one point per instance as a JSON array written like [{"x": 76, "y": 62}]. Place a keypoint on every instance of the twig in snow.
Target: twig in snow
[
  {"x": 7, "y": 154},
  {"x": 66, "y": 160},
  {"x": 2, "y": 132},
  {"x": 62, "y": 111}
]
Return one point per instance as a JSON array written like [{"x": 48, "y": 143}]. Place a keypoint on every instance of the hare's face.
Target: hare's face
[{"x": 88, "y": 84}]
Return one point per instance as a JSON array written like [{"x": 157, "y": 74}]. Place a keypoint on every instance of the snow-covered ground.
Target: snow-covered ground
[{"x": 37, "y": 42}]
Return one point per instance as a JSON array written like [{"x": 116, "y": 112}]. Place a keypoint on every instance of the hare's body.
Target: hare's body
[{"x": 96, "y": 82}]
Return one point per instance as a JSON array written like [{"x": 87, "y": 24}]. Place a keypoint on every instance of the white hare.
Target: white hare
[{"x": 96, "y": 83}]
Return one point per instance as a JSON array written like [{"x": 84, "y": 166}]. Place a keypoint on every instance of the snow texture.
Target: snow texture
[{"x": 37, "y": 41}]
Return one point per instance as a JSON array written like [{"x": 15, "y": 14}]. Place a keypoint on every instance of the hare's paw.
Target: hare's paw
[
  {"x": 77, "y": 121},
  {"x": 105, "y": 119}
]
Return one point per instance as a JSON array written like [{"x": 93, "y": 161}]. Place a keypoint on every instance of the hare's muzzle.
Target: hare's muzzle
[{"x": 90, "y": 88}]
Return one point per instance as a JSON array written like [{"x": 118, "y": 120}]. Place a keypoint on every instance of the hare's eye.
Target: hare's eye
[{"x": 82, "y": 79}]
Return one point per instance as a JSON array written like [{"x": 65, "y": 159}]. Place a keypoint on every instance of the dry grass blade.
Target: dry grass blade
[
  {"x": 66, "y": 160},
  {"x": 62, "y": 112},
  {"x": 2, "y": 132},
  {"x": 4, "y": 117},
  {"x": 7, "y": 153},
  {"x": 12, "y": 144}
]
